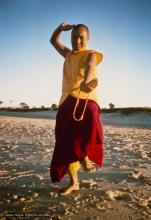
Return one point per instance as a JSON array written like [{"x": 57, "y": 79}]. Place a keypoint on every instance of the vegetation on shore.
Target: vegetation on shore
[
  {"x": 23, "y": 107},
  {"x": 128, "y": 110},
  {"x": 125, "y": 111}
]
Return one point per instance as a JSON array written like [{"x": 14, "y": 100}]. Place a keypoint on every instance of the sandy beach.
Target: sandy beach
[{"x": 120, "y": 190}]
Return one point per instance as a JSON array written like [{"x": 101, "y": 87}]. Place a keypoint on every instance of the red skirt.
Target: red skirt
[{"x": 76, "y": 139}]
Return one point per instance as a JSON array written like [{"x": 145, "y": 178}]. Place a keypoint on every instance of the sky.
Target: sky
[{"x": 31, "y": 69}]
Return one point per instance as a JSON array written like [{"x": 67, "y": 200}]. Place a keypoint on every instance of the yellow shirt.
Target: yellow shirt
[{"x": 73, "y": 75}]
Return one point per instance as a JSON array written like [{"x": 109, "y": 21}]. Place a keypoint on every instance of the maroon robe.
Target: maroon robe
[{"x": 76, "y": 139}]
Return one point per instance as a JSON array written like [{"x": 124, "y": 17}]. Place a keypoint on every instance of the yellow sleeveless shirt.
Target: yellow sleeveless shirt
[{"x": 73, "y": 75}]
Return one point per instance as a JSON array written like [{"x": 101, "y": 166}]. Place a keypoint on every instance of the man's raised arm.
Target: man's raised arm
[{"x": 55, "y": 38}]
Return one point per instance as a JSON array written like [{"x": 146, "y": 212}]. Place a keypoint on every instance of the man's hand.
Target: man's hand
[
  {"x": 65, "y": 26},
  {"x": 55, "y": 38},
  {"x": 88, "y": 87}
]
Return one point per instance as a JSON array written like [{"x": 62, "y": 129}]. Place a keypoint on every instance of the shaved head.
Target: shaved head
[{"x": 81, "y": 26}]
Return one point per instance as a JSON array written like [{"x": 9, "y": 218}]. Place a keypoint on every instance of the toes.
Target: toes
[
  {"x": 65, "y": 193},
  {"x": 92, "y": 170},
  {"x": 69, "y": 190}
]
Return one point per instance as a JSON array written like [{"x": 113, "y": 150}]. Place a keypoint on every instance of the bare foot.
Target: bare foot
[
  {"x": 70, "y": 188},
  {"x": 87, "y": 165}
]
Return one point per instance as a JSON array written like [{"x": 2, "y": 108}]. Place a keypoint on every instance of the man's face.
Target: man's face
[{"x": 79, "y": 38}]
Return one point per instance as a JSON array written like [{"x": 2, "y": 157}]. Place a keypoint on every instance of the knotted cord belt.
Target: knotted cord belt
[{"x": 76, "y": 105}]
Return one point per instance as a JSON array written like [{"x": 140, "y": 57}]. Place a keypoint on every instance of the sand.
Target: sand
[{"x": 120, "y": 190}]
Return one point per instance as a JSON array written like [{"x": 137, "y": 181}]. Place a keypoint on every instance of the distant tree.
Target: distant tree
[
  {"x": 54, "y": 107},
  {"x": 42, "y": 106},
  {"x": 111, "y": 105},
  {"x": 23, "y": 105},
  {"x": 1, "y": 102}
]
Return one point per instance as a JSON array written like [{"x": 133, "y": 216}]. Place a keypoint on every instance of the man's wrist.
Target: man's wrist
[{"x": 59, "y": 28}]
